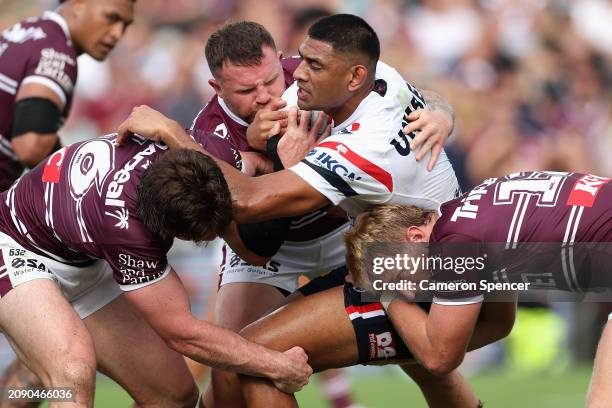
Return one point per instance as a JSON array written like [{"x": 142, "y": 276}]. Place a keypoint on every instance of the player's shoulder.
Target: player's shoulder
[
  {"x": 48, "y": 31},
  {"x": 289, "y": 65}
]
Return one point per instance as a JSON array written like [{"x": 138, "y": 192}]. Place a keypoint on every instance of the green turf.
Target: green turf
[{"x": 390, "y": 389}]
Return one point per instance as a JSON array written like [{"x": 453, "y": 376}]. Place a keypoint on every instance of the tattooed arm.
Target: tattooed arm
[{"x": 434, "y": 125}]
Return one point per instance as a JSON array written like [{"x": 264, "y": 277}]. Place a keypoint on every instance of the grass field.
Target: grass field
[{"x": 389, "y": 389}]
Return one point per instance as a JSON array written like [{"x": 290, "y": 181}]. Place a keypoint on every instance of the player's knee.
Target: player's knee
[{"x": 73, "y": 371}]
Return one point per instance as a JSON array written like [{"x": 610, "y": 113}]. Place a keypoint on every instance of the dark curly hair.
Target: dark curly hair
[{"x": 183, "y": 194}]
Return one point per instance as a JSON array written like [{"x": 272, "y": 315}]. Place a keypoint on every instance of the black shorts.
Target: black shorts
[
  {"x": 377, "y": 340},
  {"x": 324, "y": 282}
]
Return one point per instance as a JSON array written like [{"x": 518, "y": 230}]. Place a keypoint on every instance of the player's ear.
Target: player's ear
[
  {"x": 215, "y": 85},
  {"x": 280, "y": 55},
  {"x": 415, "y": 234},
  {"x": 359, "y": 75}
]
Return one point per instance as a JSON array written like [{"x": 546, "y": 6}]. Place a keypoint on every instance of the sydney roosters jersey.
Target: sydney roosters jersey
[
  {"x": 367, "y": 159},
  {"x": 80, "y": 205},
  {"x": 548, "y": 229},
  {"x": 34, "y": 51},
  {"x": 223, "y": 133}
]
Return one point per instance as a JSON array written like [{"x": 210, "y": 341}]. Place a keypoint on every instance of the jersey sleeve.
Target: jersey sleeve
[
  {"x": 341, "y": 168},
  {"x": 222, "y": 149},
  {"x": 457, "y": 263},
  {"x": 138, "y": 260},
  {"x": 53, "y": 64}
]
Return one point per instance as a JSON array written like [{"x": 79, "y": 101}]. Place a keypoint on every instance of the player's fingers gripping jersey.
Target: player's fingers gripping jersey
[{"x": 311, "y": 258}]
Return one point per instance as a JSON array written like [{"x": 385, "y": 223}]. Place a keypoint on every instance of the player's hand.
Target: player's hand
[
  {"x": 267, "y": 119},
  {"x": 432, "y": 128},
  {"x": 295, "y": 372},
  {"x": 298, "y": 140},
  {"x": 254, "y": 164},
  {"x": 150, "y": 124}
]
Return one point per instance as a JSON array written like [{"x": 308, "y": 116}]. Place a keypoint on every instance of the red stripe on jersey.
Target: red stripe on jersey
[
  {"x": 585, "y": 190},
  {"x": 364, "y": 164},
  {"x": 364, "y": 309}
]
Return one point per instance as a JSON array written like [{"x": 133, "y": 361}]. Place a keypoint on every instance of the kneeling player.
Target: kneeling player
[{"x": 86, "y": 283}]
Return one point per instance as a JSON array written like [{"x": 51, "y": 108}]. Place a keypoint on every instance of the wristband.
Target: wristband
[{"x": 272, "y": 151}]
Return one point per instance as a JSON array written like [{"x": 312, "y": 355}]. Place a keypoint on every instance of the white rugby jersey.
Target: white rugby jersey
[{"x": 367, "y": 159}]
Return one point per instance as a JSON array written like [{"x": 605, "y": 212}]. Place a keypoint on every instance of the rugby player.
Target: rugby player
[
  {"x": 38, "y": 71},
  {"x": 249, "y": 76},
  {"x": 86, "y": 283},
  {"x": 366, "y": 160},
  {"x": 527, "y": 228}
]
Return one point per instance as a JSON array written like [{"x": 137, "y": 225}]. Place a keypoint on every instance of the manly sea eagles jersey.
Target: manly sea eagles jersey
[
  {"x": 367, "y": 159},
  {"x": 37, "y": 50},
  {"x": 552, "y": 230},
  {"x": 80, "y": 205}
]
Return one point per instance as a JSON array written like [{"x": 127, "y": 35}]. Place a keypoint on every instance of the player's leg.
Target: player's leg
[
  {"x": 127, "y": 348},
  {"x": 49, "y": 337},
  {"x": 449, "y": 391},
  {"x": 600, "y": 389},
  {"x": 18, "y": 375},
  {"x": 319, "y": 324},
  {"x": 238, "y": 304}
]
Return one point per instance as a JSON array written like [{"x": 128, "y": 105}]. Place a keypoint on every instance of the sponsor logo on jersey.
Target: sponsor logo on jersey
[
  {"x": 585, "y": 190},
  {"x": 135, "y": 271},
  {"x": 122, "y": 216},
  {"x": 122, "y": 176},
  {"x": 52, "y": 64},
  {"x": 363, "y": 164},
  {"x": 469, "y": 209},
  {"x": 221, "y": 131},
  {"x": 327, "y": 161}
]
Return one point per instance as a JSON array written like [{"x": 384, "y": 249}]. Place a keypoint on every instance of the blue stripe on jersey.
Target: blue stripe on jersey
[{"x": 333, "y": 179}]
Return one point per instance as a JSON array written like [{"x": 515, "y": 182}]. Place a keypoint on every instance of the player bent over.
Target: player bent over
[{"x": 85, "y": 283}]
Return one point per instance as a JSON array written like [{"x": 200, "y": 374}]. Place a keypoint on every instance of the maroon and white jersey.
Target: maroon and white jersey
[
  {"x": 542, "y": 228},
  {"x": 80, "y": 205},
  {"x": 37, "y": 50},
  {"x": 223, "y": 133}
]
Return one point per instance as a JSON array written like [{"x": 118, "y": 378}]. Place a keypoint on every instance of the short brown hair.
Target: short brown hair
[
  {"x": 240, "y": 43},
  {"x": 379, "y": 224},
  {"x": 183, "y": 194}
]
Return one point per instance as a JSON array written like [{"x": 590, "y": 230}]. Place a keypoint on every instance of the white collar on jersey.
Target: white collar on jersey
[
  {"x": 231, "y": 114},
  {"x": 355, "y": 115},
  {"x": 52, "y": 15}
]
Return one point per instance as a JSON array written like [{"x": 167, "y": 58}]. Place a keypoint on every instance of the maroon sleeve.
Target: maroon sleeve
[
  {"x": 220, "y": 148},
  {"x": 53, "y": 64},
  {"x": 289, "y": 66},
  {"x": 457, "y": 263},
  {"x": 137, "y": 257}
]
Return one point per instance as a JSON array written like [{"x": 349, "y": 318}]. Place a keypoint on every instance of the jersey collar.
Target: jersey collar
[
  {"x": 355, "y": 115},
  {"x": 59, "y": 20},
  {"x": 231, "y": 114}
]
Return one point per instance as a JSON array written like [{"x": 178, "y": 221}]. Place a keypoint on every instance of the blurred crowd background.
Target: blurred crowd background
[{"x": 530, "y": 82}]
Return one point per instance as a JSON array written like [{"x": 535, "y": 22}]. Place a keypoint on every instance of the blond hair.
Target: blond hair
[{"x": 379, "y": 224}]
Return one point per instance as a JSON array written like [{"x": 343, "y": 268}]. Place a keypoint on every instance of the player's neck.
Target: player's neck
[
  {"x": 64, "y": 11},
  {"x": 343, "y": 112}
]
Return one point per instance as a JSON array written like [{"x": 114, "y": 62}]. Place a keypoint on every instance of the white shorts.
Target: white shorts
[
  {"x": 88, "y": 289},
  {"x": 311, "y": 258}
]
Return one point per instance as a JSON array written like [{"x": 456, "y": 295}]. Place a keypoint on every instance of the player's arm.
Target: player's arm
[
  {"x": 37, "y": 118},
  {"x": 438, "y": 340},
  {"x": 165, "y": 306},
  {"x": 276, "y": 195},
  {"x": 430, "y": 126}
]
